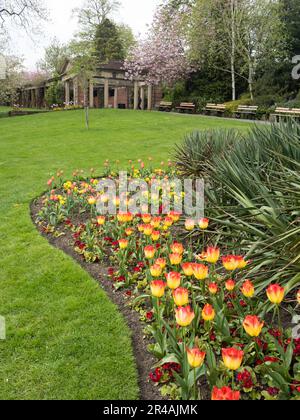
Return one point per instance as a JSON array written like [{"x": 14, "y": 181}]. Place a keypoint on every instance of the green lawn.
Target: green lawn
[{"x": 65, "y": 339}]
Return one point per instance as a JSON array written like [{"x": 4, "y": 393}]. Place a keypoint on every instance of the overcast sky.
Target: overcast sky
[{"x": 136, "y": 13}]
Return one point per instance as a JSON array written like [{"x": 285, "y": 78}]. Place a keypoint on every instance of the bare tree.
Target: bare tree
[
  {"x": 94, "y": 12},
  {"x": 21, "y": 13}
]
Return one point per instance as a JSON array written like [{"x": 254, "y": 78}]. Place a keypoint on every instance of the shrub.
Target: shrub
[{"x": 253, "y": 192}]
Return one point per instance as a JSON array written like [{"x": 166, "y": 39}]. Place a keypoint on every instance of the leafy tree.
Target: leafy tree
[
  {"x": 54, "y": 58},
  {"x": 161, "y": 57},
  {"x": 9, "y": 87},
  {"x": 108, "y": 44},
  {"x": 55, "y": 93}
]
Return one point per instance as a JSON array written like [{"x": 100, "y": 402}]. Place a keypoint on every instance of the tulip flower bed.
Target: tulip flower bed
[{"x": 212, "y": 335}]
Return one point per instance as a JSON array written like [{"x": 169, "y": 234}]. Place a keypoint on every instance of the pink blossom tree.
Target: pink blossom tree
[{"x": 160, "y": 58}]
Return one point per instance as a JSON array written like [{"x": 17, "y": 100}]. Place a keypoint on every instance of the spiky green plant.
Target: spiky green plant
[{"x": 253, "y": 198}]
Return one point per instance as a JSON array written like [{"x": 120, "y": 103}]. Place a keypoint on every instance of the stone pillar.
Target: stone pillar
[
  {"x": 116, "y": 98},
  {"x": 149, "y": 97},
  {"x": 142, "y": 98},
  {"x": 67, "y": 92},
  {"x": 106, "y": 93},
  {"x": 76, "y": 91},
  {"x": 37, "y": 98},
  {"x": 136, "y": 96}
]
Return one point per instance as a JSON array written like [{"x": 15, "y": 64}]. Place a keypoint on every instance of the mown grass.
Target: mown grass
[{"x": 65, "y": 339}]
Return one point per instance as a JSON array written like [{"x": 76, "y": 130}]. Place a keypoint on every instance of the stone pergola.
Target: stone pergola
[
  {"x": 111, "y": 77},
  {"x": 108, "y": 88}
]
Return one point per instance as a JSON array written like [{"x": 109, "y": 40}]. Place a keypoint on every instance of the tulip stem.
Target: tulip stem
[
  {"x": 195, "y": 385},
  {"x": 279, "y": 318}
]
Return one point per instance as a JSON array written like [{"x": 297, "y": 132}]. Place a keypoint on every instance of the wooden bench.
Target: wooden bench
[
  {"x": 285, "y": 113},
  {"x": 165, "y": 106},
  {"x": 215, "y": 108},
  {"x": 246, "y": 110},
  {"x": 186, "y": 106}
]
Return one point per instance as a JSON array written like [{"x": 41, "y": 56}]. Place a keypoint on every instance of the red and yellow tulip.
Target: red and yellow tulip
[
  {"x": 175, "y": 259},
  {"x": 232, "y": 358},
  {"x": 177, "y": 248},
  {"x": 253, "y": 325},
  {"x": 156, "y": 270},
  {"x": 200, "y": 271},
  {"x": 213, "y": 288},
  {"x": 173, "y": 280},
  {"x": 190, "y": 225},
  {"x": 275, "y": 293},
  {"x": 149, "y": 252},
  {"x": 188, "y": 269},
  {"x": 196, "y": 357},
  {"x": 230, "y": 285},
  {"x": 248, "y": 289},
  {"x": 158, "y": 288},
  {"x": 184, "y": 316},
  {"x": 208, "y": 313},
  {"x": 203, "y": 223},
  {"x": 123, "y": 244},
  {"x": 181, "y": 296}
]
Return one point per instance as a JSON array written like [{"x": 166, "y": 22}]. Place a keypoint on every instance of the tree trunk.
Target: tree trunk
[
  {"x": 250, "y": 80},
  {"x": 86, "y": 103},
  {"x": 233, "y": 41}
]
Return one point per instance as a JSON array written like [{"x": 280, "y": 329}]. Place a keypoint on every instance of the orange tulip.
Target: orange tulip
[
  {"x": 175, "y": 259},
  {"x": 155, "y": 236},
  {"x": 200, "y": 271},
  {"x": 213, "y": 288},
  {"x": 149, "y": 252},
  {"x": 203, "y": 223},
  {"x": 248, "y": 289},
  {"x": 190, "y": 224},
  {"x": 148, "y": 229},
  {"x": 156, "y": 221},
  {"x": 181, "y": 296},
  {"x": 275, "y": 294},
  {"x": 175, "y": 216},
  {"x": 188, "y": 269},
  {"x": 253, "y": 326},
  {"x": 230, "y": 285},
  {"x": 129, "y": 232},
  {"x": 298, "y": 297},
  {"x": 141, "y": 228},
  {"x": 146, "y": 218},
  {"x": 92, "y": 200},
  {"x": 232, "y": 358},
  {"x": 123, "y": 243},
  {"x": 230, "y": 263},
  {"x": 196, "y": 357},
  {"x": 225, "y": 394},
  {"x": 158, "y": 288},
  {"x": 177, "y": 248},
  {"x": 101, "y": 220},
  {"x": 168, "y": 221},
  {"x": 208, "y": 313},
  {"x": 156, "y": 270},
  {"x": 161, "y": 262},
  {"x": 184, "y": 316},
  {"x": 241, "y": 262},
  {"x": 212, "y": 255},
  {"x": 173, "y": 280}
]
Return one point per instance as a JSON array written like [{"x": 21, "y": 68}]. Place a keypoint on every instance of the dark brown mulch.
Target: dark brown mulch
[{"x": 143, "y": 358}]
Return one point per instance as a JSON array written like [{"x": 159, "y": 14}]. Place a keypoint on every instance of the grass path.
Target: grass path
[{"x": 65, "y": 339}]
